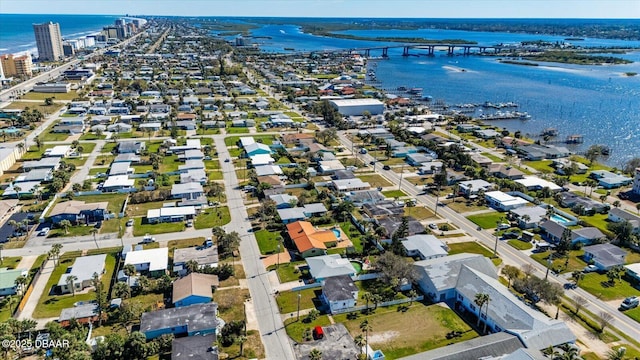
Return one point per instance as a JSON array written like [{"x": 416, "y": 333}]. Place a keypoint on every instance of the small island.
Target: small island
[
  {"x": 572, "y": 57},
  {"x": 629, "y": 74}
]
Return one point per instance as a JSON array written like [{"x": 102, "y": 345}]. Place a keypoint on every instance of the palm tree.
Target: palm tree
[
  {"x": 241, "y": 340},
  {"x": 65, "y": 224},
  {"x": 17, "y": 189},
  {"x": 55, "y": 252},
  {"x": 129, "y": 270},
  {"x": 14, "y": 225},
  {"x": 480, "y": 300},
  {"x": 122, "y": 290},
  {"x": 70, "y": 283},
  {"x": 359, "y": 341},
  {"x": 315, "y": 354},
  {"x": 577, "y": 276},
  {"x": 367, "y": 297},
  {"x": 412, "y": 295},
  {"x": 617, "y": 354},
  {"x": 93, "y": 232},
  {"x": 192, "y": 266},
  {"x": 366, "y": 327},
  {"x": 511, "y": 272},
  {"x": 20, "y": 282}
]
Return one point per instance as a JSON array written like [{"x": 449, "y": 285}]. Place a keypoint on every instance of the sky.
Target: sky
[{"x": 607, "y": 9}]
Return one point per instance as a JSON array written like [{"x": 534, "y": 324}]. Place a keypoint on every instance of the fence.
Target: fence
[
  {"x": 308, "y": 286},
  {"x": 383, "y": 304},
  {"x": 25, "y": 296}
]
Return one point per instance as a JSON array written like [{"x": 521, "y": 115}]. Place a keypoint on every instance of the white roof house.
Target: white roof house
[
  {"x": 262, "y": 159},
  {"x": 245, "y": 141},
  {"x": 535, "y": 183},
  {"x": 149, "y": 260},
  {"x": 58, "y": 151},
  {"x": 350, "y": 185},
  {"x": 83, "y": 269},
  {"x": 264, "y": 170},
  {"x": 472, "y": 187},
  {"x": 355, "y": 107},
  {"x": 330, "y": 166},
  {"x": 322, "y": 267},
  {"x": 171, "y": 212},
  {"x": 503, "y": 201},
  {"x": 425, "y": 246},
  {"x": 117, "y": 182}
]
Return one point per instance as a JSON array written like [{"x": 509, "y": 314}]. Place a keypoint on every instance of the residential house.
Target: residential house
[
  {"x": 284, "y": 201},
  {"x": 310, "y": 241},
  {"x": 190, "y": 194},
  {"x": 618, "y": 215},
  {"x": 581, "y": 204},
  {"x": 633, "y": 272},
  {"x": 170, "y": 214},
  {"x": 300, "y": 213},
  {"x": 609, "y": 180},
  {"x": 194, "y": 288},
  {"x": 8, "y": 280},
  {"x": 348, "y": 185},
  {"x": 503, "y": 171},
  {"x": 82, "y": 269},
  {"x": 262, "y": 159},
  {"x": 431, "y": 167},
  {"x": 199, "y": 176},
  {"x": 361, "y": 197},
  {"x": 500, "y": 345},
  {"x": 339, "y": 293},
  {"x": 528, "y": 217},
  {"x": 131, "y": 147},
  {"x": 44, "y": 163},
  {"x": 58, "y": 151},
  {"x": 604, "y": 256},
  {"x": 266, "y": 170},
  {"x": 328, "y": 167},
  {"x": 79, "y": 212},
  {"x": 425, "y": 247},
  {"x": 192, "y": 320},
  {"x": 256, "y": 149},
  {"x": 199, "y": 347},
  {"x": 504, "y": 202},
  {"x": 417, "y": 159},
  {"x": 204, "y": 255},
  {"x": 473, "y": 187},
  {"x": 121, "y": 168},
  {"x": 82, "y": 314},
  {"x": 151, "y": 261},
  {"x": 119, "y": 128},
  {"x": 36, "y": 175},
  {"x": 384, "y": 208},
  {"x": 327, "y": 266},
  {"x": 534, "y": 183},
  {"x": 391, "y": 224},
  {"x": 129, "y": 157},
  {"x": 118, "y": 183}
]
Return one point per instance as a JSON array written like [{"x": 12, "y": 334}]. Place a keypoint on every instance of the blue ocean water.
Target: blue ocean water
[
  {"x": 598, "y": 102},
  {"x": 16, "y": 31}
]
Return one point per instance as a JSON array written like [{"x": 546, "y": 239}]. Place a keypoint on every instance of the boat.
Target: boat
[
  {"x": 401, "y": 88},
  {"x": 289, "y": 49},
  {"x": 414, "y": 91}
]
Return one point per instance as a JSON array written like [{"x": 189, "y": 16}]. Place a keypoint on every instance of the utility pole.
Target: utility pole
[
  {"x": 299, "y": 296},
  {"x": 549, "y": 262},
  {"x": 401, "y": 173},
  {"x": 495, "y": 248}
]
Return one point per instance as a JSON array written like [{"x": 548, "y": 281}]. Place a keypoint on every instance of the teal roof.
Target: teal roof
[{"x": 8, "y": 277}]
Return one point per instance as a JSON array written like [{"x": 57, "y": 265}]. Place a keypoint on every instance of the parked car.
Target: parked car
[
  {"x": 147, "y": 239},
  {"x": 511, "y": 235},
  {"x": 570, "y": 286},
  {"x": 386, "y": 167},
  {"x": 44, "y": 231},
  {"x": 433, "y": 226},
  {"x": 629, "y": 303},
  {"x": 226, "y": 160},
  {"x": 130, "y": 222},
  {"x": 590, "y": 268},
  {"x": 503, "y": 226},
  {"x": 189, "y": 223}
]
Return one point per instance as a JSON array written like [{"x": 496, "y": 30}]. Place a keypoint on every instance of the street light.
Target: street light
[
  {"x": 495, "y": 247},
  {"x": 278, "y": 263},
  {"x": 299, "y": 296}
]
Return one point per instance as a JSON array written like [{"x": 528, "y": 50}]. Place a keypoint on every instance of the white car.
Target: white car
[
  {"x": 590, "y": 268},
  {"x": 433, "y": 226},
  {"x": 148, "y": 239},
  {"x": 45, "y": 231}
]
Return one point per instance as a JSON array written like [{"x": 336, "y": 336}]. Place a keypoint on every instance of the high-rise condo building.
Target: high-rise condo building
[
  {"x": 49, "y": 41},
  {"x": 16, "y": 65}
]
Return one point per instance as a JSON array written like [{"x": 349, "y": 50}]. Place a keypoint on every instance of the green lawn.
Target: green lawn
[
  {"x": 79, "y": 230},
  {"x": 353, "y": 233},
  {"x": 139, "y": 229},
  {"x": 394, "y": 194},
  {"x": 170, "y": 164},
  {"x": 487, "y": 221},
  {"x": 87, "y": 147},
  {"x": 265, "y": 139},
  {"x": 492, "y": 157},
  {"x": 295, "y": 329},
  {"x": 634, "y": 314},
  {"x": 78, "y": 162},
  {"x": 575, "y": 261},
  {"x": 92, "y": 136},
  {"x": 418, "y": 212},
  {"x": 463, "y": 206},
  {"x": 597, "y": 284},
  {"x": 97, "y": 170},
  {"x": 51, "y": 136},
  {"x": 289, "y": 271},
  {"x": 543, "y": 166},
  {"x": 10, "y": 261},
  {"x": 113, "y": 225},
  {"x": 213, "y": 217},
  {"x": 267, "y": 241},
  {"x": 375, "y": 180},
  {"x": 141, "y": 209},
  {"x": 116, "y": 201},
  {"x": 520, "y": 245},
  {"x": 52, "y": 305},
  {"x": 288, "y": 300},
  {"x": 402, "y": 339},
  {"x": 469, "y": 247},
  {"x": 109, "y": 147},
  {"x": 237, "y": 130},
  {"x": 57, "y": 96}
]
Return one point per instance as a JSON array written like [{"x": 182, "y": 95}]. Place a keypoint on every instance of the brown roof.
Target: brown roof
[
  {"x": 306, "y": 237},
  {"x": 75, "y": 207},
  {"x": 194, "y": 284},
  {"x": 291, "y": 138},
  {"x": 273, "y": 180},
  {"x": 185, "y": 116}
]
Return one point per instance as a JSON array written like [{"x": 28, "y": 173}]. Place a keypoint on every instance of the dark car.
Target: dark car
[
  {"x": 570, "y": 286},
  {"x": 386, "y": 167},
  {"x": 510, "y": 235}
]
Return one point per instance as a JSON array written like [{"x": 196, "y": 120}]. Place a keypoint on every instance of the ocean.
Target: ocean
[
  {"x": 16, "y": 31},
  {"x": 598, "y": 102}
]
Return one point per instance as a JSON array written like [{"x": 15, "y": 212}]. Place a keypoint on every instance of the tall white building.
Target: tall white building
[
  {"x": 636, "y": 182},
  {"x": 49, "y": 41}
]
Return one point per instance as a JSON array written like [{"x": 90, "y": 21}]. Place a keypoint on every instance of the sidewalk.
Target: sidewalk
[
  {"x": 39, "y": 289},
  {"x": 27, "y": 262}
]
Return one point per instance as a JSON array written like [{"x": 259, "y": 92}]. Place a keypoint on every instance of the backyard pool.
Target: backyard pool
[
  {"x": 10, "y": 130},
  {"x": 337, "y": 233},
  {"x": 560, "y": 219}
]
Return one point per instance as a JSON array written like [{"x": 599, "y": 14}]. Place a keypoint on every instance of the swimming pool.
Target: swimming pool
[
  {"x": 337, "y": 233},
  {"x": 560, "y": 219},
  {"x": 10, "y": 130}
]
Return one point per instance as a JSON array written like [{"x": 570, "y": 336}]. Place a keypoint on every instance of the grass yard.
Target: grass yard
[
  {"x": 520, "y": 245},
  {"x": 141, "y": 209},
  {"x": 140, "y": 229},
  {"x": 79, "y": 230},
  {"x": 215, "y": 175},
  {"x": 10, "y": 261},
  {"x": 45, "y": 109},
  {"x": 597, "y": 285},
  {"x": 109, "y": 147},
  {"x": 634, "y": 314},
  {"x": 375, "y": 180},
  {"x": 213, "y": 217},
  {"x": 116, "y": 201},
  {"x": 52, "y": 305},
  {"x": 491, "y": 156},
  {"x": 464, "y": 206},
  {"x": 97, "y": 170},
  {"x": 78, "y": 162},
  {"x": 543, "y": 166},
  {"x": 267, "y": 241},
  {"x": 575, "y": 261},
  {"x": 231, "y": 303},
  {"x": 113, "y": 225},
  {"x": 288, "y": 300},
  {"x": 51, "y": 136},
  {"x": 469, "y": 247},
  {"x": 237, "y": 130},
  {"x": 390, "y": 333},
  {"x": 394, "y": 194},
  {"x": 353, "y": 234},
  {"x": 487, "y": 221},
  {"x": 289, "y": 272},
  {"x": 418, "y": 212},
  {"x": 87, "y": 147},
  {"x": 92, "y": 136},
  {"x": 57, "y": 96},
  {"x": 295, "y": 329}
]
